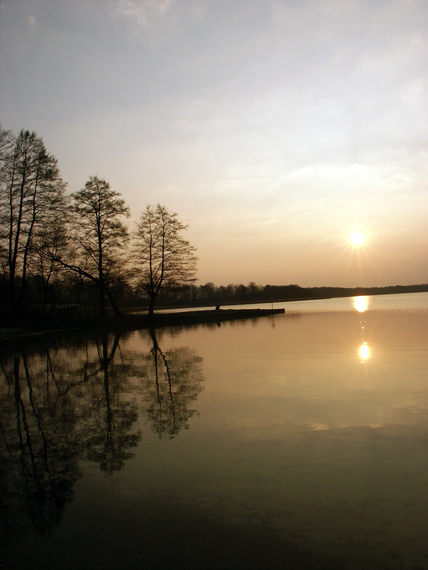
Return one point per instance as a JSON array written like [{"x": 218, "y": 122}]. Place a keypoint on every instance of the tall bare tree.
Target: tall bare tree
[
  {"x": 6, "y": 143},
  {"x": 165, "y": 259},
  {"x": 32, "y": 196},
  {"x": 100, "y": 235}
]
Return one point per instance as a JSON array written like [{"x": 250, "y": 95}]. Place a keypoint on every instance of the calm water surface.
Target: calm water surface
[{"x": 299, "y": 441}]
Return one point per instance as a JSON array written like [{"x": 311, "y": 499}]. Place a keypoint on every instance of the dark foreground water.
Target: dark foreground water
[{"x": 294, "y": 442}]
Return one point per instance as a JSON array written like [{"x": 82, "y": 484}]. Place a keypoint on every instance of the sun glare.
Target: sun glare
[
  {"x": 361, "y": 303},
  {"x": 364, "y": 352},
  {"x": 357, "y": 238}
]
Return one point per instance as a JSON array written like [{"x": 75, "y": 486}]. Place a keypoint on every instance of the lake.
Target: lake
[{"x": 294, "y": 441}]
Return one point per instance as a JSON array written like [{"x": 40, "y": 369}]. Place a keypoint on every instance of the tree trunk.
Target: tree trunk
[
  {"x": 152, "y": 304},
  {"x": 101, "y": 287},
  {"x": 112, "y": 302},
  {"x": 102, "y": 299}
]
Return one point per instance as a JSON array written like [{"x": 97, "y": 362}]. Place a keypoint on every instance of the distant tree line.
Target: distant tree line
[{"x": 210, "y": 294}]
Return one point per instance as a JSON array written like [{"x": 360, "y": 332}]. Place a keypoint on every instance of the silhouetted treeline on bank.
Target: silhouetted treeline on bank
[
  {"x": 73, "y": 255},
  {"x": 73, "y": 297},
  {"x": 77, "y": 249},
  {"x": 210, "y": 294}
]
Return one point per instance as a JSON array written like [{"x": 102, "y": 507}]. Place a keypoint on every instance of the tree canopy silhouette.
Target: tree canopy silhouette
[
  {"x": 32, "y": 199},
  {"x": 100, "y": 236},
  {"x": 165, "y": 259}
]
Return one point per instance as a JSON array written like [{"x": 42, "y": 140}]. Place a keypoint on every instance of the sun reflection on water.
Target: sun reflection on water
[
  {"x": 361, "y": 304},
  {"x": 364, "y": 352}
]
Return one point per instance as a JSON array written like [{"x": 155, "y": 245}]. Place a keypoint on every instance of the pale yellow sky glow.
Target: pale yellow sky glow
[{"x": 276, "y": 129}]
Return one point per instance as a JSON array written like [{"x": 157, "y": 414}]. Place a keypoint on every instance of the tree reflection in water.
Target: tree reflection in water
[
  {"x": 38, "y": 450},
  {"x": 68, "y": 401},
  {"x": 109, "y": 418},
  {"x": 172, "y": 383}
]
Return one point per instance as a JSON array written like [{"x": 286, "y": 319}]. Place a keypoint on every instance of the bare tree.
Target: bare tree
[
  {"x": 165, "y": 259},
  {"x": 32, "y": 196},
  {"x": 100, "y": 236},
  {"x": 6, "y": 143}
]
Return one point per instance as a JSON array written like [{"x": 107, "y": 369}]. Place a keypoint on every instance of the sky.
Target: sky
[{"x": 274, "y": 128}]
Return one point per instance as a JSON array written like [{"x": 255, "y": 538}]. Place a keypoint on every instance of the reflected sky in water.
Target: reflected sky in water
[{"x": 304, "y": 435}]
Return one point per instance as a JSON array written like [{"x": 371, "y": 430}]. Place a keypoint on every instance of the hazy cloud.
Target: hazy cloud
[{"x": 143, "y": 11}]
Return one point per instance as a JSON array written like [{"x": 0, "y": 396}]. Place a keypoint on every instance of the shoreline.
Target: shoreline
[{"x": 129, "y": 322}]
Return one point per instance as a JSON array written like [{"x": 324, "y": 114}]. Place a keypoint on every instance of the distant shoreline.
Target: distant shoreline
[
  {"x": 291, "y": 293},
  {"x": 128, "y": 321}
]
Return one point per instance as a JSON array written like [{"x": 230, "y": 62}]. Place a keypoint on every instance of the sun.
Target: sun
[{"x": 357, "y": 239}]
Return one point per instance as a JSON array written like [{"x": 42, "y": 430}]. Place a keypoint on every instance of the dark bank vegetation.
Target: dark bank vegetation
[
  {"x": 210, "y": 294},
  {"x": 63, "y": 254},
  {"x": 73, "y": 257}
]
